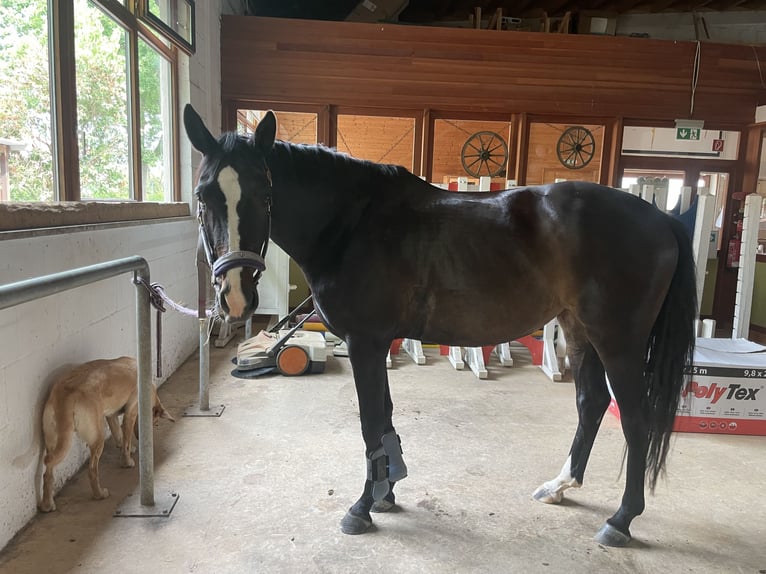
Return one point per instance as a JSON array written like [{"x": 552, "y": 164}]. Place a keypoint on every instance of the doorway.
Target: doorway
[{"x": 719, "y": 291}]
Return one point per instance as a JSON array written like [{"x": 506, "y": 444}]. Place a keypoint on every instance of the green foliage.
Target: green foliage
[
  {"x": 25, "y": 98},
  {"x": 101, "y": 49}
]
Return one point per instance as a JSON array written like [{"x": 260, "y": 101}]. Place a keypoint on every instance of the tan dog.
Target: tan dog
[{"x": 78, "y": 402}]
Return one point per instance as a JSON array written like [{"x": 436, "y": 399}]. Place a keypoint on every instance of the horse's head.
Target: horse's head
[{"x": 234, "y": 208}]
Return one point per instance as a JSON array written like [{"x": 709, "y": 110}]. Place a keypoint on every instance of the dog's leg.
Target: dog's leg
[
  {"x": 128, "y": 429},
  {"x": 91, "y": 430},
  {"x": 57, "y": 435},
  {"x": 96, "y": 448},
  {"x": 114, "y": 426}
]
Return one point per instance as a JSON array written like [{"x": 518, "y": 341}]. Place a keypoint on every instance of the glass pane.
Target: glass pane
[
  {"x": 102, "y": 104},
  {"x": 667, "y": 180},
  {"x": 26, "y": 158},
  {"x": 564, "y": 151},
  {"x": 380, "y": 139},
  {"x": 295, "y": 127},
  {"x": 156, "y": 126},
  {"x": 717, "y": 184},
  {"x": 472, "y": 149},
  {"x": 175, "y": 17}
]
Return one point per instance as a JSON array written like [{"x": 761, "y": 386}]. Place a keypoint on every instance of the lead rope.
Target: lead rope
[{"x": 158, "y": 298}]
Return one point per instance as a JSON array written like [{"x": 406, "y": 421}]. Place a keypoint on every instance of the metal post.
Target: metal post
[
  {"x": 145, "y": 422},
  {"x": 33, "y": 289},
  {"x": 203, "y": 280},
  {"x": 204, "y": 366}
]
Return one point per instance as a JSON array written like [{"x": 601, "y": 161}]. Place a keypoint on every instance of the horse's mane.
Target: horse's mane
[{"x": 305, "y": 160}]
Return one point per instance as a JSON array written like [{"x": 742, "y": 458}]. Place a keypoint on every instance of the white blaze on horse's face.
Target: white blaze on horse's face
[{"x": 228, "y": 181}]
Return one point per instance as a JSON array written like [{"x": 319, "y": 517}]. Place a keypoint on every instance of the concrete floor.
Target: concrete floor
[{"x": 263, "y": 487}]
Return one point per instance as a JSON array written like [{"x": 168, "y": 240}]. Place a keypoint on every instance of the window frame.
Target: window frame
[{"x": 61, "y": 45}]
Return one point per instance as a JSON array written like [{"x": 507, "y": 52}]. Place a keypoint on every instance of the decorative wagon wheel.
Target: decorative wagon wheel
[
  {"x": 484, "y": 153},
  {"x": 576, "y": 147}
]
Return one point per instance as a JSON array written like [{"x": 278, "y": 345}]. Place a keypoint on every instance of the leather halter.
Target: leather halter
[{"x": 233, "y": 259}]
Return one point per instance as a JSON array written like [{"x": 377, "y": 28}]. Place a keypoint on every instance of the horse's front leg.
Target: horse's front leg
[{"x": 385, "y": 464}]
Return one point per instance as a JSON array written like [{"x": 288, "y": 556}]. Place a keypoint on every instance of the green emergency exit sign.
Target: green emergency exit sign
[{"x": 688, "y": 134}]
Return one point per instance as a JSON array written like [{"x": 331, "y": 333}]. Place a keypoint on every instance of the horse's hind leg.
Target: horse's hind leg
[
  {"x": 592, "y": 402},
  {"x": 627, "y": 381},
  {"x": 384, "y": 461}
]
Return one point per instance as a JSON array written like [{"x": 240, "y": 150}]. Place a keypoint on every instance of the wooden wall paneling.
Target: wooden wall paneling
[
  {"x": 513, "y": 146},
  {"x": 610, "y": 165},
  {"x": 521, "y": 149},
  {"x": 417, "y": 149},
  {"x": 751, "y": 139},
  {"x": 379, "y": 130},
  {"x": 323, "y": 126},
  {"x": 450, "y": 138},
  {"x": 332, "y": 127},
  {"x": 479, "y": 70},
  {"x": 382, "y": 139},
  {"x": 428, "y": 146},
  {"x": 543, "y": 164}
]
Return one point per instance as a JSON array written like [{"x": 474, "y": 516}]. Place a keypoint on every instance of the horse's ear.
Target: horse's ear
[
  {"x": 199, "y": 135},
  {"x": 265, "y": 133}
]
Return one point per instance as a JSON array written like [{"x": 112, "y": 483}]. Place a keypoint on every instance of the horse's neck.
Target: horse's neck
[{"x": 314, "y": 200}]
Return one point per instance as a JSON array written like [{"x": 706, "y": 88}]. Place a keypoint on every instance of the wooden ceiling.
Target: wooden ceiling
[{"x": 430, "y": 11}]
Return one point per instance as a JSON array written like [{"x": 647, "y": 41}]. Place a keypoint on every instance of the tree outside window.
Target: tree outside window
[
  {"x": 25, "y": 105},
  {"x": 104, "y": 39}
]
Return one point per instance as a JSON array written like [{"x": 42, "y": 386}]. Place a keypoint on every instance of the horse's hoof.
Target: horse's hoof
[
  {"x": 353, "y": 524},
  {"x": 382, "y": 506},
  {"x": 542, "y": 494},
  {"x": 610, "y": 536}
]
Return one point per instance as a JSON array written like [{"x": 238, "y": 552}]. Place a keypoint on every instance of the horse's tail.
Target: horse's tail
[{"x": 670, "y": 352}]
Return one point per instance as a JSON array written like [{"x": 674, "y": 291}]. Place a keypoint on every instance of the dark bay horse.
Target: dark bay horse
[{"x": 387, "y": 255}]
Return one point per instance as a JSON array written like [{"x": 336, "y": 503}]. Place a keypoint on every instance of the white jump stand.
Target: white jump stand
[
  {"x": 455, "y": 356},
  {"x": 746, "y": 274},
  {"x": 471, "y": 356},
  {"x": 503, "y": 352},
  {"x": 474, "y": 358},
  {"x": 415, "y": 350},
  {"x": 554, "y": 351},
  {"x": 226, "y": 332}
]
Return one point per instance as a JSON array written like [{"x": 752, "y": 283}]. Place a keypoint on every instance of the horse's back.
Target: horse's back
[{"x": 477, "y": 268}]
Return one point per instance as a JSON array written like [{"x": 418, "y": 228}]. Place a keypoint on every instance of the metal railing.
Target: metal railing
[{"x": 33, "y": 289}]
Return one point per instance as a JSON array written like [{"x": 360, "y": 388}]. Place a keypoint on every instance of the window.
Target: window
[
  {"x": 156, "y": 105},
  {"x": 26, "y": 158},
  {"x": 103, "y": 113},
  {"x": 120, "y": 106}
]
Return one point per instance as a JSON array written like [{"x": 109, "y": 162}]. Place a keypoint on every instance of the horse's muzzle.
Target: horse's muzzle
[{"x": 251, "y": 303}]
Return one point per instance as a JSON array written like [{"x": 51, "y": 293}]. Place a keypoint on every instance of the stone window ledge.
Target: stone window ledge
[{"x": 18, "y": 216}]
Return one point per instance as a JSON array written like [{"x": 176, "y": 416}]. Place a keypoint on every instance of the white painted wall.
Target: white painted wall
[
  {"x": 37, "y": 339},
  {"x": 746, "y": 27},
  {"x": 96, "y": 321}
]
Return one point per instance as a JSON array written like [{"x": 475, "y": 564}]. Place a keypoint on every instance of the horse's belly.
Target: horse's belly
[{"x": 483, "y": 319}]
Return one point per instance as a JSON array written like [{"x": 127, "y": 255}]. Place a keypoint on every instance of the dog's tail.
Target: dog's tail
[{"x": 58, "y": 428}]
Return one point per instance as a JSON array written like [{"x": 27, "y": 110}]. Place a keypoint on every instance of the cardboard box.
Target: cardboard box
[
  {"x": 726, "y": 392},
  {"x": 369, "y": 11}
]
